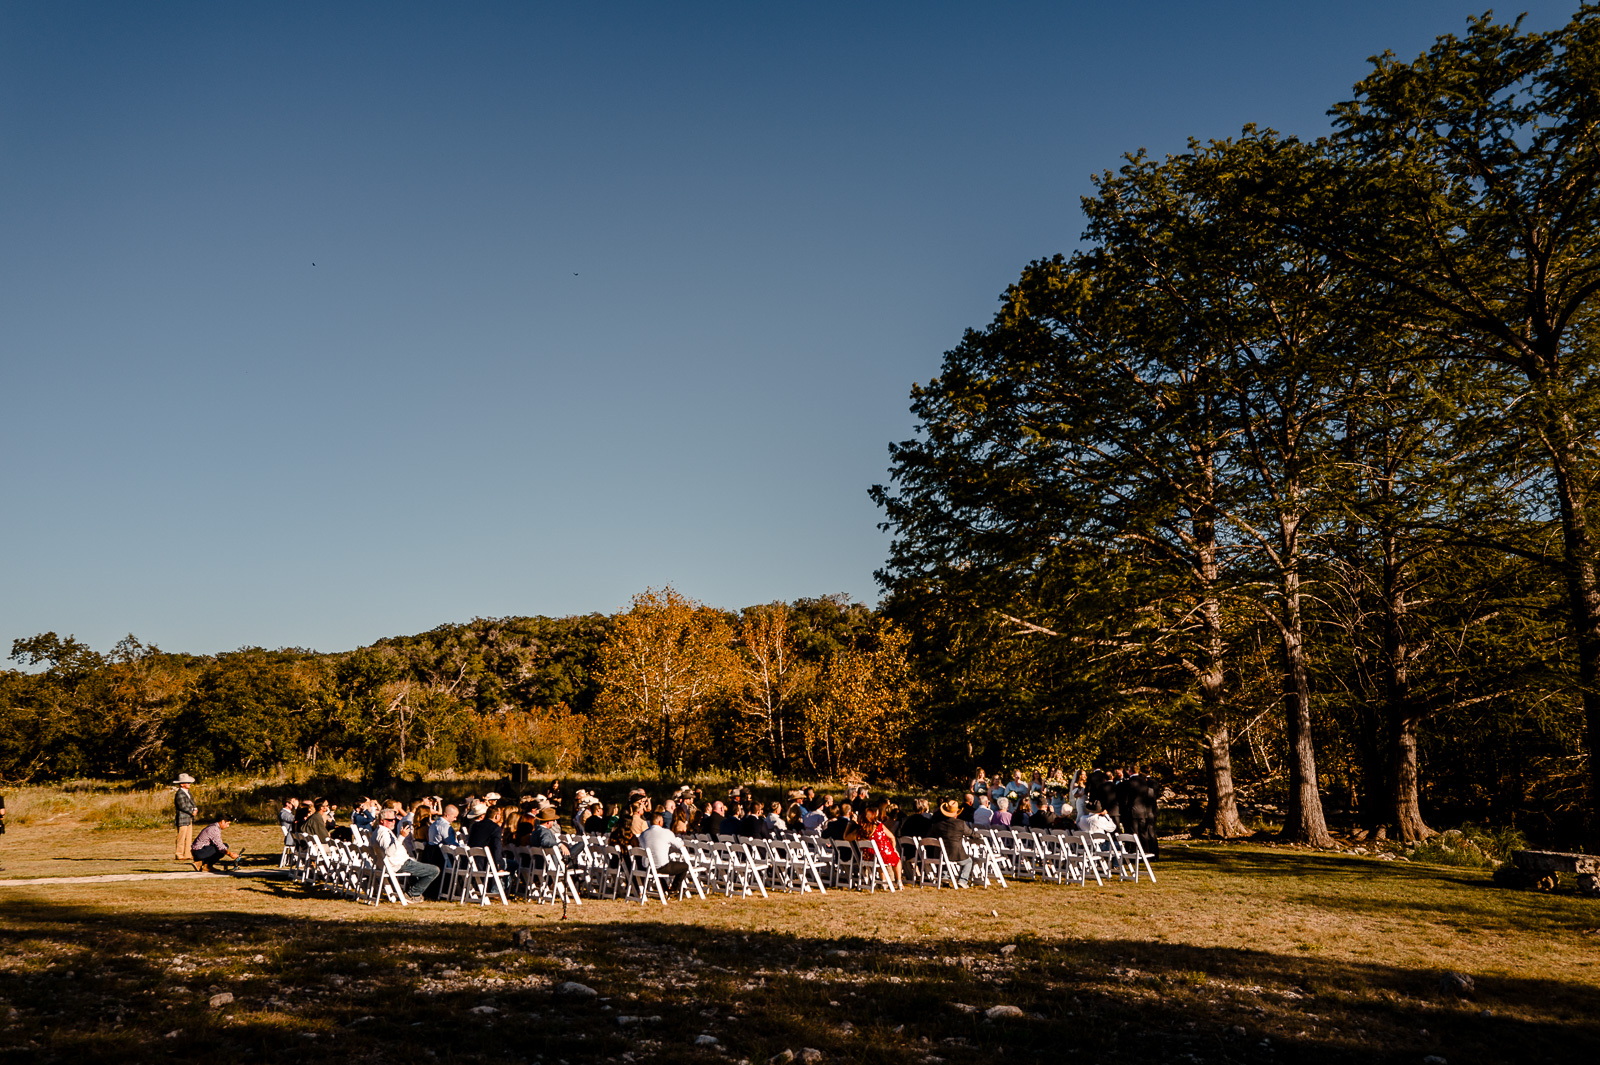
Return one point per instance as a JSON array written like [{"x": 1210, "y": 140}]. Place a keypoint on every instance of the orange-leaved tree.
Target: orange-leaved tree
[
  {"x": 772, "y": 682},
  {"x": 858, "y": 723},
  {"x": 664, "y": 663}
]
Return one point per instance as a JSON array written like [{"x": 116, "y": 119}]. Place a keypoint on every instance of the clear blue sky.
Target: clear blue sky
[{"x": 604, "y": 295}]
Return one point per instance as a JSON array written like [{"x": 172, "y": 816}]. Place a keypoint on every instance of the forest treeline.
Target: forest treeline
[
  {"x": 1303, "y": 439},
  {"x": 819, "y": 687}
]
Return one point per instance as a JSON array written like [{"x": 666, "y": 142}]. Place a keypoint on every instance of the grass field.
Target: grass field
[{"x": 1240, "y": 954}]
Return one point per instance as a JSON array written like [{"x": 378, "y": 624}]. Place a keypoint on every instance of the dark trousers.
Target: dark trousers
[
  {"x": 1145, "y": 829},
  {"x": 208, "y": 854},
  {"x": 677, "y": 869}
]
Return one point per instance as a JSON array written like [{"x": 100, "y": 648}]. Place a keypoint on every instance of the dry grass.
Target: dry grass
[{"x": 1240, "y": 954}]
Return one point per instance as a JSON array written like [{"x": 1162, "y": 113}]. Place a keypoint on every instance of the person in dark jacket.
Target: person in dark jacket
[
  {"x": 838, "y": 824},
  {"x": 1143, "y": 795},
  {"x": 486, "y": 831},
  {"x": 955, "y": 832},
  {"x": 918, "y": 825},
  {"x": 711, "y": 820}
]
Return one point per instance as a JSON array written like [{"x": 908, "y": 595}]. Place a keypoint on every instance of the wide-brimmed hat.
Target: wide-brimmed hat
[
  {"x": 477, "y": 809},
  {"x": 184, "y": 778},
  {"x": 547, "y": 814},
  {"x": 493, "y": 796},
  {"x": 949, "y": 807}
]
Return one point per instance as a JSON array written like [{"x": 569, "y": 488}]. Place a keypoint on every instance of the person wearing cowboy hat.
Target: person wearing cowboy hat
[
  {"x": 949, "y": 827},
  {"x": 185, "y": 811},
  {"x": 544, "y": 831}
]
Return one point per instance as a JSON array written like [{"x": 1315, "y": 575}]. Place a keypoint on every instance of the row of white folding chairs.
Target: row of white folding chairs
[
  {"x": 926, "y": 861},
  {"x": 542, "y": 875},
  {"x": 352, "y": 870},
  {"x": 1060, "y": 855},
  {"x": 470, "y": 875}
]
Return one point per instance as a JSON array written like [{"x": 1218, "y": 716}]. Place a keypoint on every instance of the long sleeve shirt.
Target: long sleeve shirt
[
  {"x": 394, "y": 852},
  {"x": 210, "y": 836}
]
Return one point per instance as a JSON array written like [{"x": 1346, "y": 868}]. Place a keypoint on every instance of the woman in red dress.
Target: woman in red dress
[{"x": 871, "y": 827}]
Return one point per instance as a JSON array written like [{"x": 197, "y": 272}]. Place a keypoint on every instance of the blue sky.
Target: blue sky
[{"x": 604, "y": 296}]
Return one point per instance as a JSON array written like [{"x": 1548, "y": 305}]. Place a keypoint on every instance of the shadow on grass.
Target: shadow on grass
[{"x": 112, "y": 986}]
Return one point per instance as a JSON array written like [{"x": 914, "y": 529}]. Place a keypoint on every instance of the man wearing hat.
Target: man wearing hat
[
  {"x": 186, "y": 811},
  {"x": 544, "y": 831}
]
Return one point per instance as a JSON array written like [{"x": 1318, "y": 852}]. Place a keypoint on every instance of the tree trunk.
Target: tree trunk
[
  {"x": 1222, "y": 809},
  {"x": 1303, "y": 820},
  {"x": 1583, "y": 594},
  {"x": 1404, "y": 793}
]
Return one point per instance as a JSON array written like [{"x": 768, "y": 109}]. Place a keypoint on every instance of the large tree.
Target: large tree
[{"x": 1470, "y": 190}]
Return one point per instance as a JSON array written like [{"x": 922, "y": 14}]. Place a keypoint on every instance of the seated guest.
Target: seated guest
[
  {"x": 711, "y": 820},
  {"x": 321, "y": 823},
  {"x": 544, "y": 831},
  {"x": 1002, "y": 813},
  {"x": 773, "y": 823},
  {"x": 389, "y": 835},
  {"x": 680, "y": 821},
  {"x": 955, "y": 833},
  {"x": 306, "y": 808},
  {"x": 365, "y": 815},
  {"x": 662, "y": 843},
  {"x": 982, "y": 814},
  {"x": 838, "y": 825},
  {"x": 484, "y": 830},
  {"x": 968, "y": 806},
  {"x": 873, "y": 829},
  {"x": 442, "y": 829},
  {"x": 808, "y": 798},
  {"x": 750, "y": 823},
  {"x": 522, "y": 831},
  {"x": 1043, "y": 818},
  {"x": 208, "y": 848},
  {"x": 814, "y": 820},
  {"x": 917, "y": 825}
]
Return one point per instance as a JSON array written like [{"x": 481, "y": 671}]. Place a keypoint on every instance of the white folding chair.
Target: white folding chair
[
  {"x": 642, "y": 876},
  {"x": 1136, "y": 856},
  {"x": 380, "y": 880},
  {"x": 481, "y": 877},
  {"x": 934, "y": 855}
]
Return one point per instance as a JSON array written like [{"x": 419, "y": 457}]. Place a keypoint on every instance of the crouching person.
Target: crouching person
[
  {"x": 392, "y": 841},
  {"x": 208, "y": 848}
]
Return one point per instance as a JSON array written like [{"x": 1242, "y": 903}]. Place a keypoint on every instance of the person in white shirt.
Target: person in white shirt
[
  {"x": 395, "y": 858},
  {"x": 814, "y": 820},
  {"x": 981, "y": 813},
  {"x": 661, "y": 843}
]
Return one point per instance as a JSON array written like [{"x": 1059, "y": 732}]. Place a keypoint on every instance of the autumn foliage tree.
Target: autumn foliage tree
[{"x": 663, "y": 667}]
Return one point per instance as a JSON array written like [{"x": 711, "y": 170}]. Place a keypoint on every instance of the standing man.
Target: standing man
[
  {"x": 1144, "y": 795},
  {"x": 185, "y": 811}
]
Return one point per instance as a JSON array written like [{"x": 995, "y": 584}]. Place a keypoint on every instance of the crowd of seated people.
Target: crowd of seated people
[{"x": 1094, "y": 800}]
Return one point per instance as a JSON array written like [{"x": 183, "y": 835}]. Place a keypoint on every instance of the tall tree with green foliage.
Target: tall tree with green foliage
[{"x": 1469, "y": 189}]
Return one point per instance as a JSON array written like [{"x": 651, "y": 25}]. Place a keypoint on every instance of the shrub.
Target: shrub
[{"x": 1469, "y": 847}]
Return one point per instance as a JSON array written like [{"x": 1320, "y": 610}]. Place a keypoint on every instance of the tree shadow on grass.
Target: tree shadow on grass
[{"x": 91, "y": 984}]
